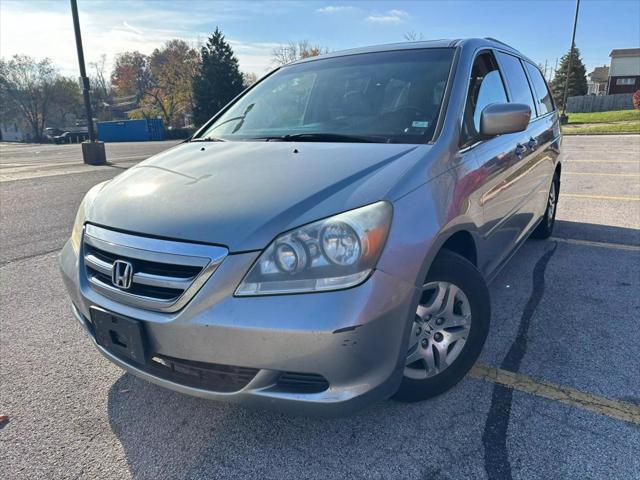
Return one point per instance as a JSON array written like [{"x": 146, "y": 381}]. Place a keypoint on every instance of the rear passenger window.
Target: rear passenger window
[
  {"x": 543, "y": 96},
  {"x": 485, "y": 88},
  {"x": 516, "y": 80}
]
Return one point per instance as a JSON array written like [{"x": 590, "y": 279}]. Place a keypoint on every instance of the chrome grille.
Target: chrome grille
[{"x": 165, "y": 274}]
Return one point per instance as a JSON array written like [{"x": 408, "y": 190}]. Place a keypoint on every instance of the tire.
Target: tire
[
  {"x": 448, "y": 269},
  {"x": 545, "y": 227}
]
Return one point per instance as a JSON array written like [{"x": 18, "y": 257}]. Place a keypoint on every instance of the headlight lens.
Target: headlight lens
[
  {"x": 334, "y": 253},
  {"x": 78, "y": 224},
  {"x": 340, "y": 244}
]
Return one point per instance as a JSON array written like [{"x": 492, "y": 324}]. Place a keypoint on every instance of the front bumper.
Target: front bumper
[{"x": 354, "y": 338}]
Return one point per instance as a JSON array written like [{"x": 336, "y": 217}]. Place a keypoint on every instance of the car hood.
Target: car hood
[{"x": 243, "y": 194}]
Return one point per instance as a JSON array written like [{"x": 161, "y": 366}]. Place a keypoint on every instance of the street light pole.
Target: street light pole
[
  {"x": 92, "y": 152},
  {"x": 563, "y": 117}
]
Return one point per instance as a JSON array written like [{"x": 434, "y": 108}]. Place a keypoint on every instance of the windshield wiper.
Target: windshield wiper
[
  {"x": 207, "y": 139},
  {"x": 325, "y": 137}
]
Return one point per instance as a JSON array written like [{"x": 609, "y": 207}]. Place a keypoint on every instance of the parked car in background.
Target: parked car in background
[
  {"x": 71, "y": 137},
  {"x": 326, "y": 240},
  {"x": 52, "y": 132}
]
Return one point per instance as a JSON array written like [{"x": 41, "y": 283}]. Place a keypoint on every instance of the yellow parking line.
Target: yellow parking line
[
  {"x": 590, "y": 243},
  {"x": 600, "y": 197},
  {"x": 625, "y": 411},
  {"x": 603, "y": 174}
]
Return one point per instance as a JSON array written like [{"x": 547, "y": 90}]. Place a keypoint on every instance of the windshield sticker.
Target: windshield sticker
[{"x": 420, "y": 124}]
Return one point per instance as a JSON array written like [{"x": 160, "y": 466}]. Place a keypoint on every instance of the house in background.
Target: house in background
[
  {"x": 624, "y": 73},
  {"x": 597, "y": 81},
  {"x": 12, "y": 132}
]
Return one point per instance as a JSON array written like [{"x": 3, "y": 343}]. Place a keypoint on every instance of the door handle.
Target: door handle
[
  {"x": 520, "y": 150},
  {"x": 532, "y": 143}
]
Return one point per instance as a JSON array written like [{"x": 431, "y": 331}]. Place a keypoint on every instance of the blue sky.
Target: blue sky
[{"x": 541, "y": 29}]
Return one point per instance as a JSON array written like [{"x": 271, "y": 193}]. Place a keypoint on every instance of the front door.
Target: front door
[{"x": 502, "y": 160}]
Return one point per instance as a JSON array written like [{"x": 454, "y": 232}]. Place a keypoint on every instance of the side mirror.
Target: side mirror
[{"x": 501, "y": 118}]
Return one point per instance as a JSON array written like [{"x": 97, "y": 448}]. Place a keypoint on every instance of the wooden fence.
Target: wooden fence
[{"x": 600, "y": 103}]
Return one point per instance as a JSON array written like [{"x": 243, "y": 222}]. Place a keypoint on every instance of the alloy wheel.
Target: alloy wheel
[
  {"x": 440, "y": 330},
  {"x": 551, "y": 208}
]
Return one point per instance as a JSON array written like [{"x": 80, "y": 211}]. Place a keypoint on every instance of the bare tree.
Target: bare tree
[
  {"x": 66, "y": 102},
  {"x": 249, "y": 78},
  {"x": 101, "y": 90},
  {"x": 292, "y": 51},
  {"x": 98, "y": 77},
  {"x": 27, "y": 85},
  {"x": 413, "y": 36}
]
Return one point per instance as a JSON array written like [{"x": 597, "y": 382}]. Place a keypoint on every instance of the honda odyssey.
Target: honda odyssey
[{"x": 325, "y": 240}]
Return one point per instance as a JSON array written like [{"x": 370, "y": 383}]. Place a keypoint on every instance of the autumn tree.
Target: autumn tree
[
  {"x": 292, "y": 51},
  {"x": 173, "y": 68},
  {"x": 577, "y": 78},
  {"x": 160, "y": 82},
  {"x": 26, "y": 88},
  {"x": 132, "y": 75},
  {"x": 218, "y": 79}
]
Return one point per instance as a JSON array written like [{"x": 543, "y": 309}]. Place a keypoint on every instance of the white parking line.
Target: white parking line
[
  {"x": 604, "y": 161},
  {"x": 601, "y": 197},
  {"x": 589, "y": 243},
  {"x": 603, "y": 174}
]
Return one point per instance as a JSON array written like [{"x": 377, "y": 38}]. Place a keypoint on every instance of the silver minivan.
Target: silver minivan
[{"x": 325, "y": 241}]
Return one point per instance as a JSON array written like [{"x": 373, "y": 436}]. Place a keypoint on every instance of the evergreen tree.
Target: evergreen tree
[
  {"x": 218, "y": 79},
  {"x": 577, "y": 78}
]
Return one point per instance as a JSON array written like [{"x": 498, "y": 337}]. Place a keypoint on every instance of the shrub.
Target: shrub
[{"x": 636, "y": 100}]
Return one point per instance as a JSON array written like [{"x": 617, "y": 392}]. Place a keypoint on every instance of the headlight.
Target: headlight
[
  {"x": 78, "y": 224},
  {"x": 334, "y": 253}
]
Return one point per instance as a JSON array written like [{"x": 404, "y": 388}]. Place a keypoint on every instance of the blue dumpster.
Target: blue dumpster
[{"x": 142, "y": 130}]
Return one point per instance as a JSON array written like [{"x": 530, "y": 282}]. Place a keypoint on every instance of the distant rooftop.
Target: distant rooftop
[
  {"x": 625, "y": 52},
  {"x": 599, "y": 74}
]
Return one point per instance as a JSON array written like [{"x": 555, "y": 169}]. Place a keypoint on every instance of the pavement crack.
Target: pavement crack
[
  {"x": 494, "y": 436},
  {"x": 28, "y": 257}
]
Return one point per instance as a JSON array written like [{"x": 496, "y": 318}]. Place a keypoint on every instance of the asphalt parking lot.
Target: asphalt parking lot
[
  {"x": 21, "y": 154},
  {"x": 556, "y": 392}
]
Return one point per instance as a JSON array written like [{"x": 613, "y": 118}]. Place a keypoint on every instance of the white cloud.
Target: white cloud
[
  {"x": 390, "y": 17},
  {"x": 334, "y": 9},
  {"x": 254, "y": 57},
  {"x": 43, "y": 33}
]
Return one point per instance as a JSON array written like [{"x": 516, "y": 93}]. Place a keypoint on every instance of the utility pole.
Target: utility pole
[
  {"x": 563, "y": 116},
  {"x": 92, "y": 151}
]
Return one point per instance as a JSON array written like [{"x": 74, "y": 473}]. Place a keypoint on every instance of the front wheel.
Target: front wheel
[{"x": 449, "y": 328}]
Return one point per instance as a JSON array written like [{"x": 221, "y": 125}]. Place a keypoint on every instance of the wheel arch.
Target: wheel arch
[
  {"x": 462, "y": 239},
  {"x": 462, "y": 243}
]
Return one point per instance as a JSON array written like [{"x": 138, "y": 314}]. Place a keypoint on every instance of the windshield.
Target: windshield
[{"x": 390, "y": 97}]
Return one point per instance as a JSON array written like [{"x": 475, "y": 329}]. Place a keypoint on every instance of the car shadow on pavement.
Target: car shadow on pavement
[
  {"x": 596, "y": 233},
  {"x": 165, "y": 434}
]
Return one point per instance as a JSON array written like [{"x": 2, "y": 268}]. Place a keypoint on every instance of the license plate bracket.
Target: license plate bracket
[{"x": 119, "y": 335}]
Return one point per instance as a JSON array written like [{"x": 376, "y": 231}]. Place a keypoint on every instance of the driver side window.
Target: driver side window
[{"x": 485, "y": 88}]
